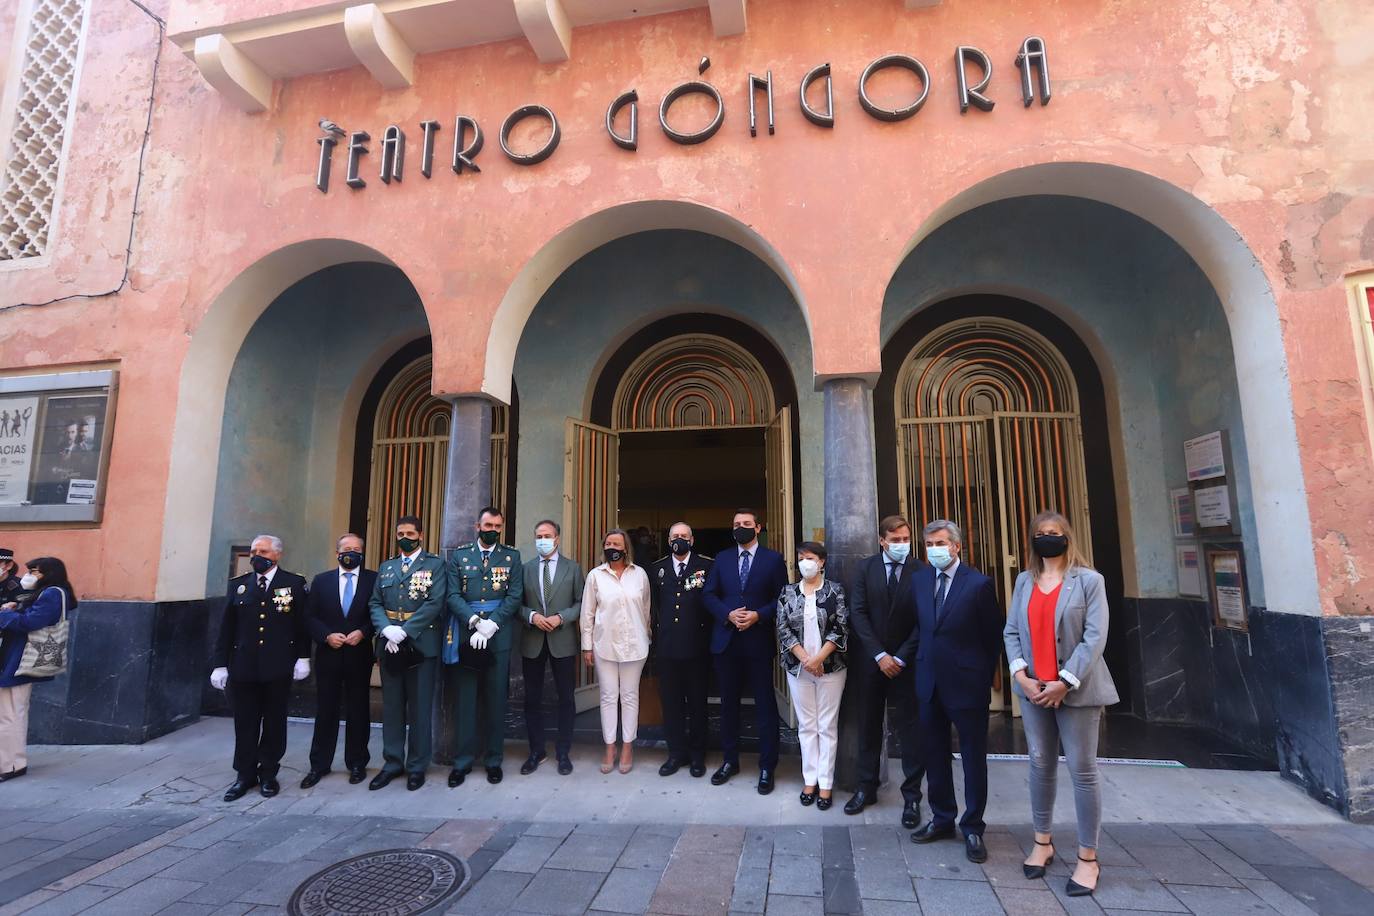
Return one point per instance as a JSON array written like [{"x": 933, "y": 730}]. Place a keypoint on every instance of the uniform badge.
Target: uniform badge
[
  {"x": 420, "y": 582},
  {"x": 660, "y": 572},
  {"x": 499, "y": 576},
  {"x": 282, "y": 597},
  {"x": 695, "y": 580},
  {"x": 242, "y": 589}
]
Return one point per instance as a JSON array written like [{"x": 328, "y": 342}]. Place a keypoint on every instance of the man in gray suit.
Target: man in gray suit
[{"x": 553, "y": 602}]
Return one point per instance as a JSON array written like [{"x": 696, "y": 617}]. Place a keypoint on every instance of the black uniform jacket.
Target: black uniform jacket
[
  {"x": 262, "y": 635},
  {"x": 682, "y": 624}
]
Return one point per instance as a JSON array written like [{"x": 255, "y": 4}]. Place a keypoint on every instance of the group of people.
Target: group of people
[{"x": 923, "y": 641}]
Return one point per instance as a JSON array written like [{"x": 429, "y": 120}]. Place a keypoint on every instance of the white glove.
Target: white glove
[
  {"x": 487, "y": 628},
  {"x": 394, "y": 633},
  {"x": 219, "y": 678},
  {"x": 478, "y": 641},
  {"x": 302, "y": 669},
  {"x": 392, "y": 647},
  {"x": 472, "y": 622}
]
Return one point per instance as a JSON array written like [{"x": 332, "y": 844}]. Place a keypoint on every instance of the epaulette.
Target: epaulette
[
  {"x": 466, "y": 546},
  {"x": 705, "y": 557},
  {"x": 661, "y": 559}
]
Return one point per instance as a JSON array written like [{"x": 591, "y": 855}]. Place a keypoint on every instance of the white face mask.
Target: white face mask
[
  {"x": 545, "y": 546},
  {"x": 808, "y": 568},
  {"x": 28, "y": 581}
]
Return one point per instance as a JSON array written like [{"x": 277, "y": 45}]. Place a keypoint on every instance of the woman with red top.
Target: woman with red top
[{"x": 1056, "y": 630}]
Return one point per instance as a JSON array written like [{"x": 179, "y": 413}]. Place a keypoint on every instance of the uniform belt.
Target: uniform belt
[{"x": 402, "y": 616}]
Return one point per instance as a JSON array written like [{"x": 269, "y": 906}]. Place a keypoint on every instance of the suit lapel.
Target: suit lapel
[
  {"x": 1069, "y": 584},
  {"x": 956, "y": 585}
]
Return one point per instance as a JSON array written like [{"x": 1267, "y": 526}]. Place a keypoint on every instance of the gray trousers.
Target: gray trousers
[{"x": 1075, "y": 728}]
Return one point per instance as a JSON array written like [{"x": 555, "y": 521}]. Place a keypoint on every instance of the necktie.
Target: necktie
[
  {"x": 891, "y": 575},
  {"x": 681, "y": 570},
  {"x": 743, "y": 568},
  {"x": 348, "y": 593},
  {"x": 940, "y": 594},
  {"x": 546, "y": 579},
  {"x": 262, "y": 584},
  {"x": 405, "y": 565},
  {"x": 486, "y": 555}
]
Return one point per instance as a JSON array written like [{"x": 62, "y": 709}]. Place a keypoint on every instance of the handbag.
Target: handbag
[{"x": 45, "y": 651}]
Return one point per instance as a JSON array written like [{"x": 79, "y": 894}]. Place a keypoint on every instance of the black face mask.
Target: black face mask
[
  {"x": 745, "y": 535},
  {"x": 613, "y": 555},
  {"x": 1049, "y": 545},
  {"x": 681, "y": 546},
  {"x": 489, "y": 538},
  {"x": 260, "y": 564},
  {"x": 350, "y": 559},
  {"x": 407, "y": 545}
]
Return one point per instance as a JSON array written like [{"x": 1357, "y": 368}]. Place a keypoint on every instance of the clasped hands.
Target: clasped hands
[
  {"x": 743, "y": 618},
  {"x": 339, "y": 640},
  {"x": 1049, "y": 694},
  {"x": 483, "y": 631},
  {"x": 547, "y": 624},
  {"x": 394, "y": 635}
]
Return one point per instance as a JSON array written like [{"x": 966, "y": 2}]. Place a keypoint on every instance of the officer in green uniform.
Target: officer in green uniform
[
  {"x": 407, "y": 606},
  {"x": 485, "y": 588}
]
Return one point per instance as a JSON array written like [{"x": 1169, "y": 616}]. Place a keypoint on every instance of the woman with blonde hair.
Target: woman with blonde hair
[
  {"x": 615, "y": 639},
  {"x": 1055, "y": 633}
]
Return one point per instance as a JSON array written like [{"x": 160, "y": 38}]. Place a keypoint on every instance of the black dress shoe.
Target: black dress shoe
[
  {"x": 357, "y": 775},
  {"x": 670, "y": 766},
  {"x": 808, "y": 799},
  {"x": 974, "y": 848},
  {"x": 269, "y": 787},
  {"x": 381, "y": 780},
  {"x": 13, "y": 774},
  {"x": 930, "y": 833},
  {"x": 823, "y": 803},
  {"x": 1034, "y": 872},
  {"x": 494, "y": 775},
  {"x": 911, "y": 815},
  {"x": 722, "y": 776},
  {"x": 414, "y": 781},
  {"x": 861, "y": 800},
  {"x": 456, "y": 777},
  {"x": 532, "y": 763},
  {"x": 1074, "y": 889},
  {"x": 564, "y": 765},
  {"x": 697, "y": 769},
  {"x": 233, "y": 793},
  {"x": 312, "y": 777},
  {"x": 765, "y": 781}
]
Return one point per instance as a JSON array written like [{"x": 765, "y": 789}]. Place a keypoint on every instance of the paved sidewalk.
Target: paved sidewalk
[{"x": 110, "y": 830}]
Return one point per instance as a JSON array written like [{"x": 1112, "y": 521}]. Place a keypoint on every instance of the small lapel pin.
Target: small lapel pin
[{"x": 242, "y": 589}]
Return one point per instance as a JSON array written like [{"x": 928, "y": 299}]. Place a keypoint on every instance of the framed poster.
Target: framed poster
[
  {"x": 55, "y": 433},
  {"x": 1189, "y": 573},
  {"x": 1213, "y": 505},
  {"x": 1205, "y": 456},
  {"x": 1225, "y": 567},
  {"x": 1181, "y": 511}
]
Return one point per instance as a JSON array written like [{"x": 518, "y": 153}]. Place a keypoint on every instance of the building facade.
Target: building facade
[{"x": 295, "y": 266}]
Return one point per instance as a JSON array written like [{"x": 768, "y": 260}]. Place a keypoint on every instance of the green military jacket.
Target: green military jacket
[
  {"x": 501, "y": 578},
  {"x": 413, "y": 601}
]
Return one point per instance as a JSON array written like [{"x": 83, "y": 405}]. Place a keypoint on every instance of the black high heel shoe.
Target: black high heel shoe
[
  {"x": 1033, "y": 872},
  {"x": 808, "y": 799},
  {"x": 1074, "y": 889},
  {"x": 823, "y": 803}
]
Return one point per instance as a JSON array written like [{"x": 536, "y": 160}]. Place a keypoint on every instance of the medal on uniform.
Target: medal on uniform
[
  {"x": 281, "y": 597},
  {"x": 242, "y": 589},
  {"x": 499, "y": 575},
  {"x": 420, "y": 581}
]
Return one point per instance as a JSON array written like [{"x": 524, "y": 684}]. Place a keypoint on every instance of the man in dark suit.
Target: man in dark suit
[
  {"x": 958, "y": 642},
  {"x": 339, "y": 622},
  {"x": 262, "y": 646},
  {"x": 552, "y": 596},
  {"x": 883, "y": 617},
  {"x": 741, "y": 593},
  {"x": 682, "y": 647}
]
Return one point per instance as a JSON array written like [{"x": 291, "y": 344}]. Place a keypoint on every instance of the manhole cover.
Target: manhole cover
[{"x": 393, "y": 882}]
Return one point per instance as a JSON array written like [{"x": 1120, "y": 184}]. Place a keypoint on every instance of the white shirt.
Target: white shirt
[
  {"x": 552, "y": 561},
  {"x": 680, "y": 565},
  {"x": 811, "y": 627},
  {"x": 739, "y": 560},
  {"x": 268, "y": 576},
  {"x": 615, "y": 614},
  {"x": 412, "y": 557},
  {"x": 343, "y": 573}
]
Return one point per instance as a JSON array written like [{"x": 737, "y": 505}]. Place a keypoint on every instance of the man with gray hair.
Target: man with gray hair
[
  {"x": 958, "y": 642},
  {"x": 263, "y": 645}
]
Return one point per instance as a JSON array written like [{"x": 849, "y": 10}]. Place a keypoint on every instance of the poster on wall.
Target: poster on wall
[
  {"x": 18, "y": 423},
  {"x": 1181, "y": 504},
  {"x": 1205, "y": 456},
  {"x": 1226, "y": 582},
  {"x": 1213, "y": 506},
  {"x": 1189, "y": 571},
  {"x": 69, "y": 451}
]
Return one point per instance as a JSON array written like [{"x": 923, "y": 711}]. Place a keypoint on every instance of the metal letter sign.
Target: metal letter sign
[
  {"x": 973, "y": 94},
  {"x": 464, "y": 156},
  {"x": 820, "y": 119},
  {"x": 356, "y": 150},
  {"x": 906, "y": 62},
  {"x": 429, "y": 128},
  {"x": 631, "y": 98},
  {"x": 755, "y": 84},
  {"x": 326, "y": 157},
  {"x": 539, "y": 155},
  {"x": 1033, "y": 54},
  {"x": 393, "y": 153}
]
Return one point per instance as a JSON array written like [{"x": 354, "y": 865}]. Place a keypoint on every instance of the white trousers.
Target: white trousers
[
  {"x": 14, "y": 727},
  {"x": 817, "y": 702},
  {"x": 619, "y": 684}
]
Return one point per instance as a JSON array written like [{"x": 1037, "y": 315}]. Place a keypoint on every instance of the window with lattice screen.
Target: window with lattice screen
[{"x": 52, "y": 36}]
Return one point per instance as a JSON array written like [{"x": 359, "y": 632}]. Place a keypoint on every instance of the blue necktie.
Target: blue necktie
[
  {"x": 348, "y": 593},
  {"x": 940, "y": 595},
  {"x": 743, "y": 568}
]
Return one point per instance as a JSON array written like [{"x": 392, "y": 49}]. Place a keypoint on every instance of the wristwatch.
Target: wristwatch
[{"x": 1067, "y": 685}]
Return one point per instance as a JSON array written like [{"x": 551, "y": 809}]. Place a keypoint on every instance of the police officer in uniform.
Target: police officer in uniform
[
  {"x": 682, "y": 649},
  {"x": 263, "y": 645},
  {"x": 10, "y": 589},
  {"x": 407, "y": 606},
  {"x": 485, "y": 589}
]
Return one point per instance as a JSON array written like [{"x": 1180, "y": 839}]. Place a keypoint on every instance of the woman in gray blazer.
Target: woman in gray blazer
[{"x": 1056, "y": 630}]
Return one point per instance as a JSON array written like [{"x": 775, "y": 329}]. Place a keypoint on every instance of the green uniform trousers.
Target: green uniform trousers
[
  {"x": 493, "y": 684},
  {"x": 408, "y": 703}
]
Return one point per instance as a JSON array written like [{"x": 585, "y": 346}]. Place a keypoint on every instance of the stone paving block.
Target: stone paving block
[
  {"x": 113, "y": 845},
  {"x": 1135, "y": 889},
  {"x": 695, "y": 883},
  {"x": 795, "y": 876},
  {"x": 528, "y": 854},
  {"x": 967, "y": 898},
  {"x": 711, "y": 840},
  {"x": 73, "y": 901},
  {"x": 460, "y": 837},
  {"x": 1327, "y": 891},
  {"x": 210, "y": 834},
  {"x": 751, "y": 890},
  {"x": 1278, "y": 898},
  {"x": 37, "y": 876},
  {"x": 549, "y": 828},
  {"x": 649, "y": 851},
  {"x": 1338, "y": 847},
  {"x": 1024, "y": 902},
  {"x": 840, "y": 891},
  {"x": 1230, "y": 863},
  {"x": 481, "y": 861},
  {"x": 1258, "y": 845},
  {"x": 208, "y": 864},
  {"x": 1183, "y": 865},
  {"x": 146, "y": 897},
  {"x": 883, "y": 879},
  {"x": 941, "y": 859},
  {"x": 672, "y": 830},
  {"x": 1220, "y": 901},
  {"x": 17, "y": 850},
  {"x": 493, "y": 893},
  {"x": 890, "y": 908},
  {"x": 145, "y": 866},
  {"x": 837, "y": 851},
  {"x": 627, "y": 890},
  {"x": 592, "y": 852},
  {"x": 877, "y": 841},
  {"x": 786, "y": 905},
  {"x": 74, "y": 827},
  {"x": 1130, "y": 835},
  {"x": 758, "y": 848},
  {"x": 604, "y": 828},
  {"x": 228, "y": 909},
  {"x": 559, "y": 892},
  {"x": 797, "y": 841},
  {"x": 278, "y": 883}
]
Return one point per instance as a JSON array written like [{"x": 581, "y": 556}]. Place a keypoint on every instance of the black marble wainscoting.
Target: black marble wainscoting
[
  {"x": 135, "y": 672},
  {"x": 1350, "y": 660}
]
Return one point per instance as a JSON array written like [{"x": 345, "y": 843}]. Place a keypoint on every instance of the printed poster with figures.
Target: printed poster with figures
[
  {"x": 69, "y": 450},
  {"x": 18, "y": 425}
]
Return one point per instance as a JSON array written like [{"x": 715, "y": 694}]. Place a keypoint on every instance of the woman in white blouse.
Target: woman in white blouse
[{"x": 615, "y": 639}]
